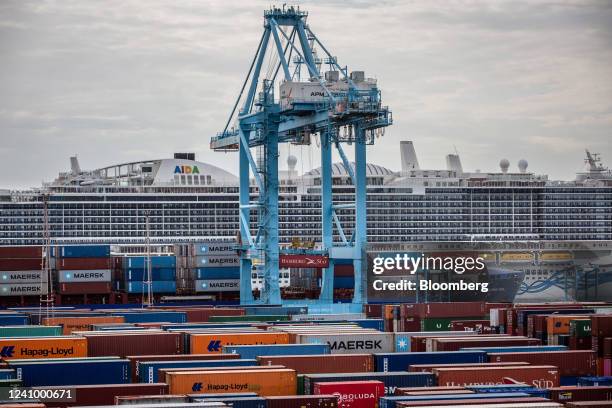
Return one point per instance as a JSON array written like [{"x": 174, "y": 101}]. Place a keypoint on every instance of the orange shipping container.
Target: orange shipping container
[
  {"x": 42, "y": 347},
  {"x": 204, "y": 343},
  {"x": 559, "y": 324},
  {"x": 71, "y": 324},
  {"x": 263, "y": 382}
]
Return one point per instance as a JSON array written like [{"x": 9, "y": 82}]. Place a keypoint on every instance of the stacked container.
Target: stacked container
[
  {"x": 83, "y": 269},
  {"x": 21, "y": 272},
  {"x": 213, "y": 267},
  {"x": 135, "y": 273}
]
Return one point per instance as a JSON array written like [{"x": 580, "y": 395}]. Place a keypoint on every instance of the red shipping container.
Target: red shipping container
[
  {"x": 588, "y": 404},
  {"x": 87, "y": 395},
  {"x": 323, "y": 363},
  {"x": 574, "y": 393},
  {"x": 444, "y": 309},
  {"x": 572, "y": 363},
  {"x": 135, "y": 360},
  {"x": 353, "y": 394},
  {"x": 83, "y": 263},
  {"x": 448, "y": 344},
  {"x": 537, "y": 376},
  {"x": 344, "y": 270},
  {"x": 419, "y": 343},
  {"x": 403, "y": 390},
  {"x": 133, "y": 343},
  {"x": 373, "y": 311},
  {"x": 302, "y": 401},
  {"x": 203, "y": 314},
  {"x": 21, "y": 252},
  {"x": 85, "y": 288},
  {"x": 12, "y": 264},
  {"x": 427, "y": 368}
]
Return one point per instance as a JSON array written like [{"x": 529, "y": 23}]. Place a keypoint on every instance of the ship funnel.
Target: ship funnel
[
  {"x": 453, "y": 163},
  {"x": 74, "y": 165},
  {"x": 409, "y": 157},
  {"x": 504, "y": 164}
]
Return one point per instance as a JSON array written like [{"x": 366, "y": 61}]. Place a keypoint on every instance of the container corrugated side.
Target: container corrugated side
[
  {"x": 351, "y": 343},
  {"x": 264, "y": 382},
  {"x": 136, "y": 360},
  {"x": 43, "y": 347},
  {"x": 537, "y": 376},
  {"x": 134, "y": 343},
  {"x": 254, "y": 351},
  {"x": 401, "y": 361},
  {"x": 70, "y": 324},
  {"x": 165, "y": 371},
  {"x": 104, "y": 394},
  {"x": 71, "y": 372},
  {"x": 353, "y": 394},
  {"x": 392, "y": 401},
  {"x": 303, "y": 401},
  {"x": 30, "y": 331},
  {"x": 214, "y": 343},
  {"x": 148, "y": 371},
  {"x": 570, "y": 362},
  {"x": 391, "y": 380},
  {"x": 323, "y": 363}
]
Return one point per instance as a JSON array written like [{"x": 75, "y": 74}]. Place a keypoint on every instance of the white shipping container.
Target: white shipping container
[
  {"x": 93, "y": 275},
  {"x": 214, "y": 261},
  {"x": 214, "y": 248},
  {"x": 351, "y": 343},
  {"x": 217, "y": 285},
  {"x": 25, "y": 289},
  {"x": 23, "y": 276}
]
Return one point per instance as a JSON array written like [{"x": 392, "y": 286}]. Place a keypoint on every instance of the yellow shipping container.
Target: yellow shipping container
[
  {"x": 213, "y": 343},
  {"x": 263, "y": 382},
  {"x": 42, "y": 347}
]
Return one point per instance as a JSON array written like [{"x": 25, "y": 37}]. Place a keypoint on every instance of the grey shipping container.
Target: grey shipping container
[
  {"x": 25, "y": 289},
  {"x": 94, "y": 275},
  {"x": 351, "y": 343},
  {"x": 35, "y": 276}
]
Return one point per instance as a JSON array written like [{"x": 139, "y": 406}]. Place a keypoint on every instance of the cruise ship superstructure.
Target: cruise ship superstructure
[{"x": 546, "y": 236}]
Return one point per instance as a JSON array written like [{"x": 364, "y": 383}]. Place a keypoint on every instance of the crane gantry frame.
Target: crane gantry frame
[{"x": 339, "y": 108}]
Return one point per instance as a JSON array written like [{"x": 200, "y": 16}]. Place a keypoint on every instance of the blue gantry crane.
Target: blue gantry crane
[{"x": 339, "y": 108}]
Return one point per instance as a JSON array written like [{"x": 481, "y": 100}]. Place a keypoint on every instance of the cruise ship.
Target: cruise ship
[{"x": 542, "y": 239}]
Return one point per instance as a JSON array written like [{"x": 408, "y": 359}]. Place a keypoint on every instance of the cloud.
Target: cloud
[{"x": 118, "y": 81}]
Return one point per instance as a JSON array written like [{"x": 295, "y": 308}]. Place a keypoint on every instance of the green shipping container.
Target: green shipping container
[
  {"x": 262, "y": 318},
  {"x": 300, "y": 384},
  {"x": 580, "y": 328},
  {"x": 30, "y": 331},
  {"x": 442, "y": 323}
]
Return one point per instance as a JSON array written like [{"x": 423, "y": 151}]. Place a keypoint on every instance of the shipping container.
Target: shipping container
[
  {"x": 217, "y": 285},
  {"x": 570, "y": 362},
  {"x": 213, "y": 248},
  {"x": 30, "y": 331},
  {"x": 351, "y": 343},
  {"x": 136, "y": 360},
  {"x": 353, "y": 394},
  {"x": 525, "y": 388},
  {"x": 588, "y": 404},
  {"x": 23, "y": 289},
  {"x": 133, "y": 343},
  {"x": 428, "y": 368},
  {"x": 250, "y": 318},
  {"x": 457, "y": 399},
  {"x": 159, "y": 261},
  {"x": 518, "y": 349},
  {"x": 157, "y": 274},
  {"x": 7, "y": 374},
  {"x": 148, "y": 371},
  {"x": 168, "y": 286},
  {"x": 214, "y": 343},
  {"x": 444, "y": 309},
  {"x": 83, "y": 288},
  {"x": 595, "y": 381},
  {"x": 576, "y": 393},
  {"x": 84, "y": 275},
  {"x": 214, "y": 395},
  {"x": 401, "y": 361},
  {"x": 402, "y": 339},
  {"x": 22, "y": 264},
  {"x": 264, "y": 382},
  {"x": 152, "y": 316},
  {"x": 538, "y": 376},
  {"x": 104, "y": 394},
  {"x": 151, "y": 399},
  {"x": 83, "y": 263},
  {"x": 202, "y": 314},
  {"x": 216, "y": 273},
  {"x": 392, "y": 380},
  {"x": 69, "y": 324},
  {"x": 235, "y": 402},
  {"x": 71, "y": 371},
  {"x": 84, "y": 251},
  {"x": 10, "y": 320},
  {"x": 323, "y": 363},
  {"x": 255, "y": 351},
  {"x": 449, "y": 344},
  {"x": 33, "y": 276},
  {"x": 303, "y": 401},
  {"x": 516, "y": 402},
  {"x": 163, "y": 372},
  {"x": 21, "y": 252},
  {"x": 214, "y": 261},
  {"x": 42, "y": 347}
]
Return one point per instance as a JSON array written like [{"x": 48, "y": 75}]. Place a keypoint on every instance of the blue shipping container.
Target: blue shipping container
[
  {"x": 72, "y": 372},
  {"x": 157, "y": 287},
  {"x": 216, "y": 273},
  {"x": 401, "y": 361},
  {"x": 344, "y": 282},
  {"x": 237, "y": 402},
  {"x": 252, "y": 351},
  {"x": 157, "y": 274},
  {"x": 275, "y": 310},
  {"x": 528, "y": 389},
  {"x": 517, "y": 349},
  {"x": 567, "y": 380},
  {"x": 85, "y": 251},
  {"x": 149, "y": 317},
  {"x": 13, "y": 320},
  {"x": 389, "y": 402},
  {"x": 187, "y": 326},
  {"x": 392, "y": 380},
  {"x": 156, "y": 262},
  {"x": 7, "y": 374},
  {"x": 594, "y": 381},
  {"x": 149, "y": 369}
]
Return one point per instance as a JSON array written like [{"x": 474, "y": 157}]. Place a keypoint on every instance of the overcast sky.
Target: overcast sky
[{"x": 118, "y": 81}]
